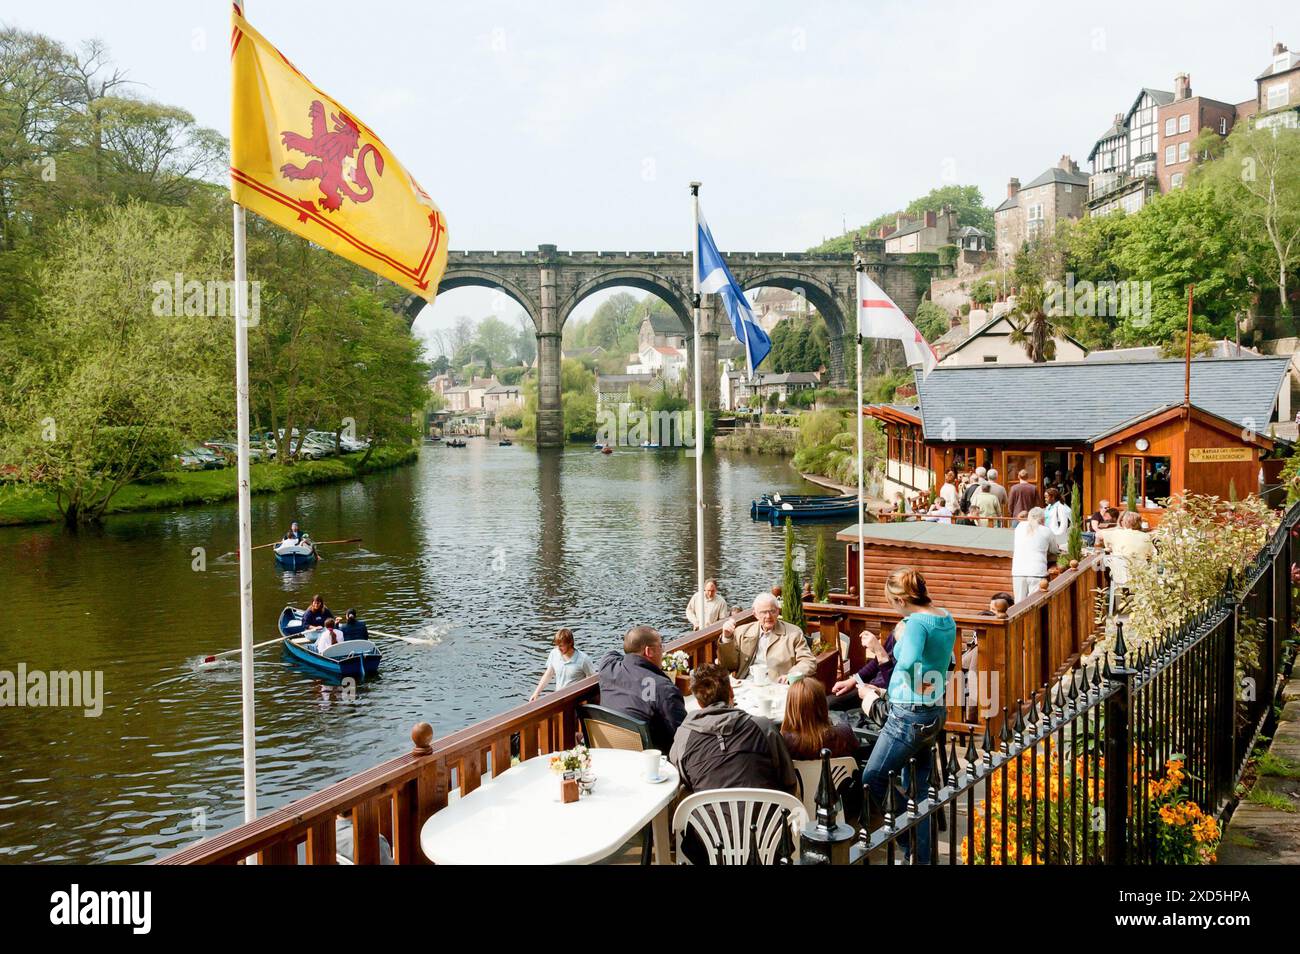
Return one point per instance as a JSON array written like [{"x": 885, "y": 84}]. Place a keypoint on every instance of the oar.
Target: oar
[
  {"x": 415, "y": 640},
  {"x": 263, "y": 546},
  {"x": 230, "y": 652}
]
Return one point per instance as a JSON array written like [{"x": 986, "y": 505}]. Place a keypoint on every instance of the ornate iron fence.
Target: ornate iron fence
[{"x": 1069, "y": 778}]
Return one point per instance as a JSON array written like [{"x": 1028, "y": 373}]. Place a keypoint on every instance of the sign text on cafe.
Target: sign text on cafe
[{"x": 1217, "y": 455}]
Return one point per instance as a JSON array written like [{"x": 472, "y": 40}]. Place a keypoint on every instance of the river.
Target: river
[{"x": 485, "y": 551}]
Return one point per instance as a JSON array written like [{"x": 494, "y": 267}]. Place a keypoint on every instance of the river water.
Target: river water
[{"x": 485, "y": 551}]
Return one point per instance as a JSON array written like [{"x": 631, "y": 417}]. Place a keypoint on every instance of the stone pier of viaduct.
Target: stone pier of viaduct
[{"x": 548, "y": 284}]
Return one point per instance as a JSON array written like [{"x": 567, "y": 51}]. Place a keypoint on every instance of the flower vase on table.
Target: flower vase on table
[
  {"x": 677, "y": 667},
  {"x": 574, "y": 769}
]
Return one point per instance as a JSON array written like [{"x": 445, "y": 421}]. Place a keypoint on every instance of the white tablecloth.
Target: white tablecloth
[
  {"x": 518, "y": 818},
  {"x": 767, "y": 701}
]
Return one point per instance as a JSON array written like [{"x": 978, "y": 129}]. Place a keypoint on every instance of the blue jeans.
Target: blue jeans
[{"x": 909, "y": 732}]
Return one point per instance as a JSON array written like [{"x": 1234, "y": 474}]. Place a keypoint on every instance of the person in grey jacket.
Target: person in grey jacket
[
  {"x": 720, "y": 746},
  {"x": 633, "y": 682}
]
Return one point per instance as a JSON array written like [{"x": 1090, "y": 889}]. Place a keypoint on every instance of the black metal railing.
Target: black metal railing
[{"x": 1070, "y": 778}]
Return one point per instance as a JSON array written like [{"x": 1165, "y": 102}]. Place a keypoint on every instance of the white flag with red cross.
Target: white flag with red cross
[{"x": 879, "y": 317}]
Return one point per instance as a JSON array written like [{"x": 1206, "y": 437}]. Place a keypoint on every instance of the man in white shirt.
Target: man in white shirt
[
  {"x": 1033, "y": 541},
  {"x": 715, "y": 607}
]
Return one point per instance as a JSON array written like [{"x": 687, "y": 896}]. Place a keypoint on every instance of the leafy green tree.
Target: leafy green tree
[
  {"x": 1035, "y": 322},
  {"x": 1074, "y": 546},
  {"x": 791, "y": 586},
  {"x": 105, "y": 357},
  {"x": 821, "y": 585},
  {"x": 931, "y": 320},
  {"x": 1259, "y": 175}
]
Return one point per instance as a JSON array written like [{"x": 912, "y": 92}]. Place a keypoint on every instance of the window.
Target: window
[
  {"x": 1169, "y": 126},
  {"x": 1150, "y": 477},
  {"x": 991, "y": 359},
  {"x": 1184, "y": 122},
  {"x": 1278, "y": 95},
  {"x": 1184, "y": 151},
  {"x": 1223, "y": 125},
  {"x": 1175, "y": 180},
  {"x": 1068, "y": 188},
  {"x": 1035, "y": 212},
  {"x": 1169, "y": 155},
  {"x": 1016, "y": 462}
]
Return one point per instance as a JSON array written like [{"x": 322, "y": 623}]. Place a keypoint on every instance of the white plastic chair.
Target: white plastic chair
[
  {"x": 1119, "y": 576},
  {"x": 721, "y": 818},
  {"x": 810, "y": 776}
]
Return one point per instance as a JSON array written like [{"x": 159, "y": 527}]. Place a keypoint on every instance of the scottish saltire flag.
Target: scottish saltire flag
[
  {"x": 716, "y": 279},
  {"x": 879, "y": 317}
]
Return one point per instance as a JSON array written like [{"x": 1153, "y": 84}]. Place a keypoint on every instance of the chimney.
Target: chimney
[
  {"x": 1279, "y": 49},
  {"x": 1013, "y": 186},
  {"x": 1182, "y": 86},
  {"x": 899, "y": 220},
  {"x": 1066, "y": 164}
]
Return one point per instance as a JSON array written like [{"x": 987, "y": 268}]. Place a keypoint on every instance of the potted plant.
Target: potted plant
[
  {"x": 572, "y": 766},
  {"x": 677, "y": 665}
]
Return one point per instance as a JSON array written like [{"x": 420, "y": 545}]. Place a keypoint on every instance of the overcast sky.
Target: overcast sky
[{"x": 580, "y": 124}]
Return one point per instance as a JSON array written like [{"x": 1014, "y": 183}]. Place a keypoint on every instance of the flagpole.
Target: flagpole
[
  {"x": 699, "y": 410},
  {"x": 862, "y": 507},
  {"x": 245, "y": 513}
]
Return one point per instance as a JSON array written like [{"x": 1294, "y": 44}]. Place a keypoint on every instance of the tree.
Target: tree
[
  {"x": 1260, "y": 175},
  {"x": 1074, "y": 546},
  {"x": 791, "y": 587},
  {"x": 966, "y": 201},
  {"x": 821, "y": 585},
  {"x": 1130, "y": 490},
  {"x": 108, "y": 375},
  {"x": 1035, "y": 322},
  {"x": 932, "y": 321}
]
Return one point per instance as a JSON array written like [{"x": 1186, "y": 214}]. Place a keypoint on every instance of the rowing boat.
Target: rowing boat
[{"x": 357, "y": 658}]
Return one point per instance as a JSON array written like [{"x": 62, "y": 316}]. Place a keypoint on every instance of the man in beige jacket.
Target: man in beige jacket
[{"x": 771, "y": 639}]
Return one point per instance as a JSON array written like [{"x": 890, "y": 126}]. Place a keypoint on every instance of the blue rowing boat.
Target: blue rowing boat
[
  {"x": 763, "y": 505},
  {"x": 357, "y": 658},
  {"x": 833, "y": 508}
]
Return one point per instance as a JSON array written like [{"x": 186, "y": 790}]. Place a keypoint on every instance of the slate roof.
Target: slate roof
[
  {"x": 1008, "y": 203},
  {"x": 665, "y": 324},
  {"x": 1076, "y": 402},
  {"x": 1057, "y": 174}
]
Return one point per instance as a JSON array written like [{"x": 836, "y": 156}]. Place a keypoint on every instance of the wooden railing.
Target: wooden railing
[
  {"x": 395, "y": 798},
  {"x": 1040, "y": 638}
]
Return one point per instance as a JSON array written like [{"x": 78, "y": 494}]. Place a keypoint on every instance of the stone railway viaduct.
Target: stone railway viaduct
[{"x": 548, "y": 284}]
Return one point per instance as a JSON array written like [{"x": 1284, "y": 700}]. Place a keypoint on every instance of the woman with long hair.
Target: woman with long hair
[
  {"x": 807, "y": 726},
  {"x": 316, "y": 613},
  {"x": 924, "y": 641}
]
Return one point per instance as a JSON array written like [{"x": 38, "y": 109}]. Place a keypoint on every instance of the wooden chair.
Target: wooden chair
[
  {"x": 609, "y": 729},
  {"x": 721, "y": 818}
]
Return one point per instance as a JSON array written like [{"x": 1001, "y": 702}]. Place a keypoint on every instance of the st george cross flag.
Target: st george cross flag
[
  {"x": 302, "y": 161},
  {"x": 879, "y": 317},
  {"x": 716, "y": 279}
]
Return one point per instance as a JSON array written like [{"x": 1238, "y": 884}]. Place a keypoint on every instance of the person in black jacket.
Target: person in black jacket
[
  {"x": 720, "y": 746},
  {"x": 633, "y": 682}
]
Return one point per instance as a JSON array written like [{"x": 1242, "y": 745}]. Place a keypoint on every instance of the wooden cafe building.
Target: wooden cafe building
[{"x": 1095, "y": 421}]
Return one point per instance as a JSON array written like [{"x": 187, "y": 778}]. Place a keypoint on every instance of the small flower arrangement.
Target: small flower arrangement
[
  {"x": 576, "y": 760},
  {"x": 677, "y": 663}
]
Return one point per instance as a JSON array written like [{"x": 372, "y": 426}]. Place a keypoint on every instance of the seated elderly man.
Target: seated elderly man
[
  {"x": 770, "y": 644},
  {"x": 1128, "y": 540},
  {"x": 633, "y": 682}
]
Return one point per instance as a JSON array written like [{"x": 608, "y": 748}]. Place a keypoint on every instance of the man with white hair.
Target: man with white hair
[
  {"x": 997, "y": 489},
  {"x": 769, "y": 645},
  {"x": 972, "y": 488},
  {"x": 1033, "y": 541}
]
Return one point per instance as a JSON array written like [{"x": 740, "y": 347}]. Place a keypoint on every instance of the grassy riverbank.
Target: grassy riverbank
[{"x": 27, "y": 504}]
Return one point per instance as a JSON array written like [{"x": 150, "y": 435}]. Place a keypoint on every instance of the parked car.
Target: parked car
[{"x": 199, "y": 458}]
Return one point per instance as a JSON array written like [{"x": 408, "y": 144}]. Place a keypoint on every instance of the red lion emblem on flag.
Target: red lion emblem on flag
[{"x": 333, "y": 149}]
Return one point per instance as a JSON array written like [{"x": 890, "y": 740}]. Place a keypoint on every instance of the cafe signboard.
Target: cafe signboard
[{"x": 1217, "y": 455}]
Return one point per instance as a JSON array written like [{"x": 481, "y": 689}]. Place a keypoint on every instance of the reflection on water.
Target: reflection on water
[{"x": 483, "y": 551}]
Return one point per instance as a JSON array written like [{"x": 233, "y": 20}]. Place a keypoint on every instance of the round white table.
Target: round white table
[{"x": 518, "y": 818}]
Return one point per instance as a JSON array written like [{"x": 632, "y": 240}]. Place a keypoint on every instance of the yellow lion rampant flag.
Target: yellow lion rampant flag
[{"x": 304, "y": 162}]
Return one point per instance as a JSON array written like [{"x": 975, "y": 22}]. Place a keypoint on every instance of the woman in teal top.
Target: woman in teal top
[{"x": 922, "y": 658}]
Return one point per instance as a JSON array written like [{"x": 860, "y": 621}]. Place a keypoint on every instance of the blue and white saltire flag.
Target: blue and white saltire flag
[{"x": 716, "y": 279}]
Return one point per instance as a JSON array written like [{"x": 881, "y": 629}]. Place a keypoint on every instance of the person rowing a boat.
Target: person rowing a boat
[
  {"x": 331, "y": 635},
  {"x": 353, "y": 628},
  {"x": 294, "y": 534},
  {"x": 316, "y": 614}
]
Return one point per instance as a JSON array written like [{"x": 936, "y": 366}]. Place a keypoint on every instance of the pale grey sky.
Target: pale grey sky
[{"x": 580, "y": 124}]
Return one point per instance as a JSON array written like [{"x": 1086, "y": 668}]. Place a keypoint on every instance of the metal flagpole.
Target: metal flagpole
[
  {"x": 699, "y": 411},
  {"x": 862, "y": 506},
  {"x": 245, "y": 517}
]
